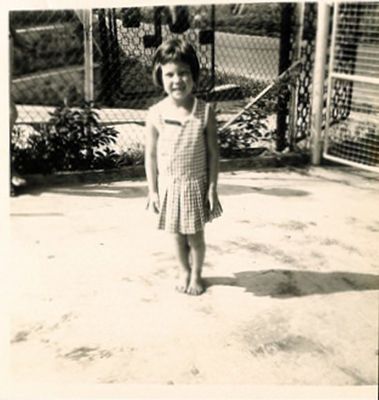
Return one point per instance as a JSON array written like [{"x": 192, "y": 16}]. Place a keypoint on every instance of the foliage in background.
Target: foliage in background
[
  {"x": 60, "y": 45},
  {"x": 254, "y": 19},
  {"x": 72, "y": 140},
  {"x": 31, "y": 18},
  {"x": 50, "y": 48}
]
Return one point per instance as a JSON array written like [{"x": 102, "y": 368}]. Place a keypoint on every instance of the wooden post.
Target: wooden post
[
  {"x": 88, "y": 56},
  {"x": 318, "y": 84}
]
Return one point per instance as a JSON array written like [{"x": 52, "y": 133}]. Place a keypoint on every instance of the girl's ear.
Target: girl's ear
[{"x": 157, "y": 75}]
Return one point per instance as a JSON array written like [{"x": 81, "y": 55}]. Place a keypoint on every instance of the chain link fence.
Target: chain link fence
[
  {"x": 128, "y": 39},
  {"x": 46, "y": 61},
  {"x": 240, "y": 48},
  {"x": 48, "y": 69},
  {"x": 247, "y": 43},
  {"x": 303, "y": 39}
]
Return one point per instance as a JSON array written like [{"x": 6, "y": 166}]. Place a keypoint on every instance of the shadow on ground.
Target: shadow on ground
[
  {"x": 125, "y": 192},
  {"x": 273, "y": 191},
  {"x": 292, "y": 283},
  {"x": 98, "y": 190}
]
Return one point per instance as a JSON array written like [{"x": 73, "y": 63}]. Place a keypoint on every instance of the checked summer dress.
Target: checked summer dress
[{"x": 183, "y": 170}]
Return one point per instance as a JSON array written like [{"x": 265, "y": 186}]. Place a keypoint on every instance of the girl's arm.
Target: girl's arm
[
  {"x": 213, "y": 157},
  {"x": 151, "y": 163}
]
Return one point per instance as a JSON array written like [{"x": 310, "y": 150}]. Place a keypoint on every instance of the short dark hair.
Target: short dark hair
[{"x": 175, "y": 50}]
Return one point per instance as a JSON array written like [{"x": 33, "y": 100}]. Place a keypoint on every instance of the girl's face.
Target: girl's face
[{"x": 177, "y": 80}]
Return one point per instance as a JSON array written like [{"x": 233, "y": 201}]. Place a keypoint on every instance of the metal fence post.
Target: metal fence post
[
  {"x": 318, "y": 83},
  {"x": 88, "y": 56},
  {"x": 88, "y": 73},
  {"x": 12, "y": 110},
  {"x": 284, "y": 63},
  {"x": 213, "y": 49},
  {"x": 114, "y": 50},
  {"x": 299, "y": 10}
]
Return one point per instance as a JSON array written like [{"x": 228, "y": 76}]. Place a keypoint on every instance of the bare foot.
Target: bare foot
[
  {"x": 182, "y": 283},
  {"x": 195, "y": 287}
]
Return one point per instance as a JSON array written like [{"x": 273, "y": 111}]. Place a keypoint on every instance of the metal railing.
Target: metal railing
[{"x": 352, "y": 135}]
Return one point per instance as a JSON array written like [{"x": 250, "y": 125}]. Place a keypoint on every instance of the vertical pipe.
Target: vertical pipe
[
  {"x": 111, "y": 50},
  {"x": 329, "y": 114},
  {"x": 88, "y": 56},
  {"x": 297, "y": 52},
  {"x": 323, "y": 16},
  {"x": 88, "y": 77},
  {"x": 284, "y": 63},
  {"x": 12, "y": 106},
  {"x": 213, "y": 47},
  {"x": 116, "y": 52},
  {"x": 104, "y": 67}
]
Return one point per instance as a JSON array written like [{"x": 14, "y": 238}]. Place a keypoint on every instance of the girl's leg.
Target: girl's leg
[
  {"x": 182, "y": 253},
  {"x": 197, "y": 246}
]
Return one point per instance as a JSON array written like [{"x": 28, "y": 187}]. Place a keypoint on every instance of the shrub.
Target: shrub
[
  {"x": 248, "y": 136},
  {"x": 71, "y": 140}
]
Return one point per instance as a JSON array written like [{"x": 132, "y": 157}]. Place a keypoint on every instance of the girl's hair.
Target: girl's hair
[{"x": 175, "y": 50}]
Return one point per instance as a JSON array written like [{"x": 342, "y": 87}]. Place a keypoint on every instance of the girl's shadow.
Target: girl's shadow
[{"x": 291, "y": 283}]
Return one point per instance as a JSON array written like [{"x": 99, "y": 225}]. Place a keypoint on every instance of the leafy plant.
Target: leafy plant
[
  {"x": 73, "y": 139},
  {"x": 249, "y": 135}
]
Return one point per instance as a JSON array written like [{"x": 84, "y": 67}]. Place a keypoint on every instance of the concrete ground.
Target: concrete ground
[{"x": 292, "y": 276}]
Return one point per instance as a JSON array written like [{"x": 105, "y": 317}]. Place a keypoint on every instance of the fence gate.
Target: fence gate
[{"x": 352, "y": 121}]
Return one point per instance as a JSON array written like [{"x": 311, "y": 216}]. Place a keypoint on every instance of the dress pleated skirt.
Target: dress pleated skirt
[{"x": 184, "y": 207}]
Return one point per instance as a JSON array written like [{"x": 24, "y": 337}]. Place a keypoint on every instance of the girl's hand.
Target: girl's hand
[
  {"x": 212, "y": 199},
  {"x": 153, "y": 203}
]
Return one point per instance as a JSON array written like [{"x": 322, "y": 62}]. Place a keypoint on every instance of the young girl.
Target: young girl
[{"x": 181, "y": 159}]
